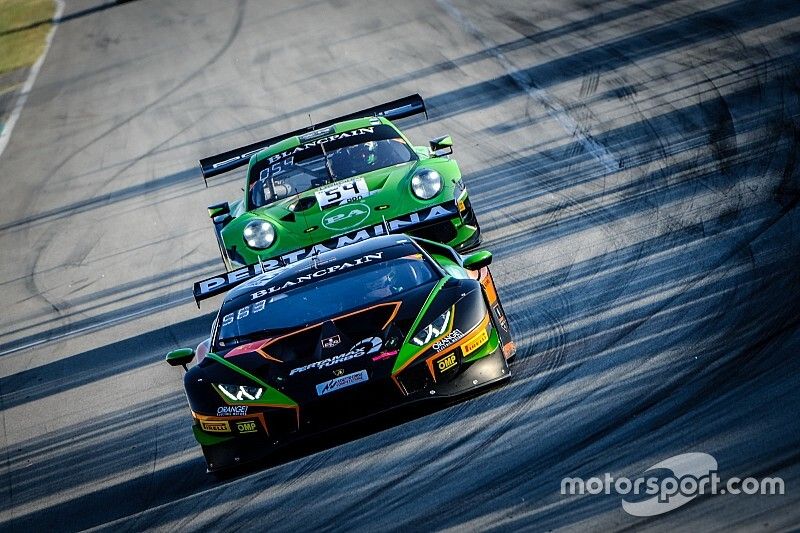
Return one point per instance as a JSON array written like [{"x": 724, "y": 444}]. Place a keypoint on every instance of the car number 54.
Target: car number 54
[{"x": 342, "y": 192}]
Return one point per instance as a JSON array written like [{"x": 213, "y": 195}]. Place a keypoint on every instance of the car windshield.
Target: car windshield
[
  {"x": 308, "y": 166},
  {"x": 327, "y": 297}
]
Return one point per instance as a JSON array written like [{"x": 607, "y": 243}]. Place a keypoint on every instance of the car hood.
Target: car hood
[
  {"x": 364, "y": 344},
  {"x": 383, "y": 185},
  {"x": 300, "y": 222}
]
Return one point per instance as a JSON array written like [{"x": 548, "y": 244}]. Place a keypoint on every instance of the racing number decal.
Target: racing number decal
[
  {"x": 344, "y": 192},
  {"x": 276, "y": 168}
]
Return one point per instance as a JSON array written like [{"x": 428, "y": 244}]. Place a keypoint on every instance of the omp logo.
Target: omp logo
[
  {"x": 346, "y": 217},
  {"x": 445, "y": 363},
  {"x": 246, "y": 427},
  {"x": 672, "y": 483}
]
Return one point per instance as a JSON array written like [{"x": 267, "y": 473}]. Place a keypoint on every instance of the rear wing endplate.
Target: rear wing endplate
[{"x": 226, "y": 161}]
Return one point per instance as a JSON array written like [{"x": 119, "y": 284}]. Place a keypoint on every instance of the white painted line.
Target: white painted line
[
  {"x": 554, "y": 109},
  {"x": 5, "y": 135}
]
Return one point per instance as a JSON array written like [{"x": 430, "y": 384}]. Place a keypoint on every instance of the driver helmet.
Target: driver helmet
[
  {"x": 363, "y": 155},
  {"x": 383, "y": 285}
]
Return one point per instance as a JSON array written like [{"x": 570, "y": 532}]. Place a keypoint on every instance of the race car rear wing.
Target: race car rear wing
[{"x": 226, "y": 161}]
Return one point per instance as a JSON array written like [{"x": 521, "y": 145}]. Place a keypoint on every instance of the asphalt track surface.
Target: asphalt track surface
[{"x": 634, "y": 165}]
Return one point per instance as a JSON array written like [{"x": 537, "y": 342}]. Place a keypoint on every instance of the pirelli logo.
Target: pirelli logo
[
  {"x": 475, "y": 342},
  {"x": 215, "y": 426}
]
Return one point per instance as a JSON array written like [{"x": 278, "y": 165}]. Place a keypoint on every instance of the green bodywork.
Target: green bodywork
[{"x": 390, "y": 198}]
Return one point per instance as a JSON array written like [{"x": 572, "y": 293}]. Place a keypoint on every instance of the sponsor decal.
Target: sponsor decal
[
  {"x": 322, "y": 132},
  {"x": 219, "y": 284},
  {"x": 346, "y": 217},
  {"x": 341, "y": 382},
  {"x": 331, "y": 342},
  {"x": 246, "y": 155},
  {"x": 498, "y": 311},
  {"x": 232, "y": 410},
  {"x": 246, "y": 427},
  {"x": 475, "y": 342},
  {"x": 460, "y": 195},
  {"x": 446, "y": 363},
  {"x": 321, "y": 273},
  {"x": 215, "y": 426},
  {"x": 313, "y": 142},
  {"x": 361, "y": 348},
  {"x": 447, "y": 340},
  {"x": 338, "y": 372},
  {"x": 342, "y": 192},
  {"x": 385, "y": 355}
]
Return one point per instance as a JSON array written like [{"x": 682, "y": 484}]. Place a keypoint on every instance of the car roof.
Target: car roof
[{"x": 340, "y": 127}]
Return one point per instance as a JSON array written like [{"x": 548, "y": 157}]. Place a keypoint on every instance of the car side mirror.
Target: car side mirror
[
  {"x": 478, "y": 260},
  {"x": 216, "y": 210},
  {"x": 441, "y": 146},
  {"x": 181, "y": 356}
]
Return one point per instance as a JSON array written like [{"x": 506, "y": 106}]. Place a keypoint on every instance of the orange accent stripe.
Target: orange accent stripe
[
  {"x": 429, "y": 362},
  {"x": 508, "y": 348},
  {"x": 268, "y": 356},
  {"x": 391, "y": 318},
  {"x": 491, "y": 292}
]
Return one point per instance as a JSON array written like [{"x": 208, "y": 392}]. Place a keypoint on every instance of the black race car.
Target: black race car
[{"x": 339, "y": 336}]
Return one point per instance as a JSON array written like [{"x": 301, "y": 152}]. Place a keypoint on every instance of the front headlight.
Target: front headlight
[
  {"x": 426, "y": 184},
  {"x": 259, "y": 234},
  {"x": 432, "y": 331},
  {"x": 240, "y": 393}
]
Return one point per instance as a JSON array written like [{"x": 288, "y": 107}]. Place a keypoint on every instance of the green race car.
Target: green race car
[{"x": 336, "y": 183}]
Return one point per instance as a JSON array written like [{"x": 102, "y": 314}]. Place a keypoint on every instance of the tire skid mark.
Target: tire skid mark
[
  {"x": 554, "y": 108},
  {"x": 234, "y": 32}
]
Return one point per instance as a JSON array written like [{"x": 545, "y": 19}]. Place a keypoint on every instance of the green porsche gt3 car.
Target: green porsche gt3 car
[{"x": 340, "y": 182}]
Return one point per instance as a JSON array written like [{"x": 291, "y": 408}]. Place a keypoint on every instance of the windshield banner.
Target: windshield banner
[{"x": 224, "y": 282}]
